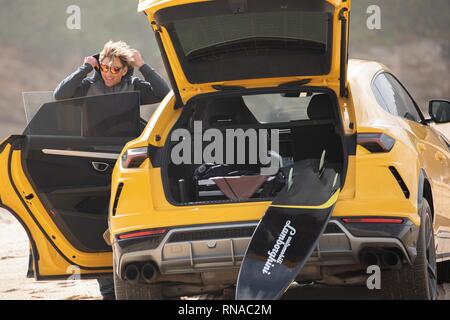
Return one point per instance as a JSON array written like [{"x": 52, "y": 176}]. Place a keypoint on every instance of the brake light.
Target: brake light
[
  {"x": 133, "y": 158},
  {"x": 142, "y": 234},
  {"x": 373, "y": 220},
  {"x": 376, "y": 142}
]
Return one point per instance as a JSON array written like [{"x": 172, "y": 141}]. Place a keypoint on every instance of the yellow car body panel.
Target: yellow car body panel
[{"x": 420, "y": 142}]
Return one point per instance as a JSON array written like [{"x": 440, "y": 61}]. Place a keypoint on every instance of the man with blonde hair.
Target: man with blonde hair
[{"x": 114, "y": 68}]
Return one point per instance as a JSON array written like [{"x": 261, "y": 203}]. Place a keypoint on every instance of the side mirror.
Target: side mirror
[{"x": 440, "y": 111}]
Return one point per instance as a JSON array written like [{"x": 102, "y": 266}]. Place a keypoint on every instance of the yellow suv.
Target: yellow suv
[{"x": 180, "y": 218}]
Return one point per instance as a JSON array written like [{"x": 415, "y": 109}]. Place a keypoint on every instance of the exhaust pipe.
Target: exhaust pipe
[
  {"x": 391, "y": 260},
  {"x": 148, "y": 272},
  {"x": 131, "y": 273},
  {"x": 370, "y": 258}
]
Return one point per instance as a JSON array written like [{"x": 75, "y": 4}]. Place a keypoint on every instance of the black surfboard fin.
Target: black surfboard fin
[
  {"x": 290, "y": 181},
  {"x": 322, "y": 163}
]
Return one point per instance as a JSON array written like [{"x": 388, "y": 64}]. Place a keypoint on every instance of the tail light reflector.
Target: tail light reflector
[
  {"x": 374, "y": 220},
  {"x": 376, "y": 142},
  {"x": 133, "y": 158},
  {"x": 145, "y": 233}
]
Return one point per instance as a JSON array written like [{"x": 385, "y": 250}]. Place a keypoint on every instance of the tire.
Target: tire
[
  {"x": 126, "y": 290},
  {"x": 444, "y": 272},
  {"x": 419, "y": 281}
]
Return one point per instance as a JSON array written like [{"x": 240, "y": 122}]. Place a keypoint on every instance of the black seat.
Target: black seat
[
  {"x": 311, "y": 140},
  {"x": 321, "y": 107},
  {"x": 219, "y": 114},
  {"x": 224, "y": 112}
]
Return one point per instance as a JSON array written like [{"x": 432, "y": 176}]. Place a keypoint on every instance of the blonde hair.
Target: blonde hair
[{"x": 119, "y": 50}]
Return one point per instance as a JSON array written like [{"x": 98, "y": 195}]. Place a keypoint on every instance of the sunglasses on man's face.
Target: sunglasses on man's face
[{"x": 114, "y": 70}]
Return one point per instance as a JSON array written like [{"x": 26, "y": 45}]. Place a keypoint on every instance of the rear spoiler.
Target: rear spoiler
[{"x": 158, "y": 4}]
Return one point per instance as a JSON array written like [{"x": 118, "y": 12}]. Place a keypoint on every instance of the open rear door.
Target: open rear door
[{"x": 60, "y": 174}]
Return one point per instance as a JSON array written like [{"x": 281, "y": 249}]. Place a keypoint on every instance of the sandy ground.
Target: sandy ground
[
  {"x": 13, "y": 270},
  {"x": 15, "y": 286}
]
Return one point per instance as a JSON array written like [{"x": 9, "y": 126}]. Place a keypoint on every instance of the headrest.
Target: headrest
[
  {"x": 320, "y": 107},
  {"x": 225, "y": 112}
]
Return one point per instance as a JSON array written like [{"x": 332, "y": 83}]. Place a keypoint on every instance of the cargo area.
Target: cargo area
[{"x": 307, "y": 126}]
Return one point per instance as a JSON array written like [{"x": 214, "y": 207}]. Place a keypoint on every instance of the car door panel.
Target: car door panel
[
  {"x": 75, "y": 194},
  {"x": 54, "y": 184}
]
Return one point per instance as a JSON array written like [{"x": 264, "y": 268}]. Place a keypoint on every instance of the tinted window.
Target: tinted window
[
  {"x": 393, "y": 97},
  {"x": 262, "y": 40},
  {"x": 380, "y": 99},
  {"x": 264, "y": 109},
  {"x": 108, "y": 116},
  {"x": 218, "y": 31}
]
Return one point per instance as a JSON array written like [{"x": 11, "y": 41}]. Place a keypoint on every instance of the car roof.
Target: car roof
[{"x": 359, "y": 67}]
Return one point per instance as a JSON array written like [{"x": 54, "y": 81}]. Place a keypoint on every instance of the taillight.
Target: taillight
[
  {"x": 133, "y": 158},
  {"x": 373, "y": 220},
  {"x": 376, "y": 142},
  {"x": 146, "y": 233}
]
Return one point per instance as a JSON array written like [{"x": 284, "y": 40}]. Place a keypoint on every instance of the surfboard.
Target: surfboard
[{"x": 289, "y": 231}]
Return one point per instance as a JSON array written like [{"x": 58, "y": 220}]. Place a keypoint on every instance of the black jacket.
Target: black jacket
[{"x": 152, "y": 90}]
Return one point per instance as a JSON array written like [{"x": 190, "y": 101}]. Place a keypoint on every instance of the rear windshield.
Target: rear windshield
[
  {"x": 270, "y": 108},
  {"x": 217, "y": 41},
  {"x": 276, "y": 108},
  {"x": 263, "y": 31}
]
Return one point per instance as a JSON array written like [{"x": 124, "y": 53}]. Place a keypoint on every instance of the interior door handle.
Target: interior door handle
[{"x": 100, "y": 166}]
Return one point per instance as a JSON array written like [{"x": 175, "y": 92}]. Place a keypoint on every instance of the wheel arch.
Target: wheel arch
[{"x": 425, "y": 191}]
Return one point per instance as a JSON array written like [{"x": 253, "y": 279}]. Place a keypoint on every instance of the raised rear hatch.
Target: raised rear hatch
[{"x": 212, "y": 45}]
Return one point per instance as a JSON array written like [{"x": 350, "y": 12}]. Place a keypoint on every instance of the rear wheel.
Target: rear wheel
[
  {"x": 126, "y": 290},
  {"x": 444, "y": 272},
  {"x": 419, "y": 281}
]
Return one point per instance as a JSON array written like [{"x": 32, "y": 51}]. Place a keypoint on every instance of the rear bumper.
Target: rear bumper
[{"x": 210, "y": 248}]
